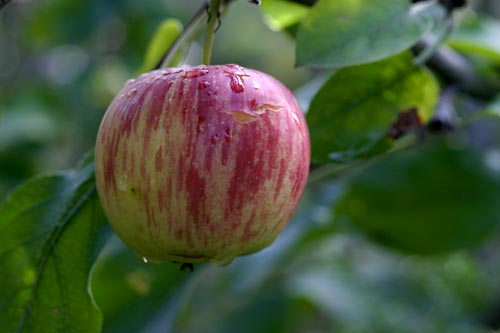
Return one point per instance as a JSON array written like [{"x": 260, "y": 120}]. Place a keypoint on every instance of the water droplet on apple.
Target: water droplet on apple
[
  {"x": 228, "y": 135},
  {"x": 237, "y": 67},
  {"x": 131, "y": 93},
  {"x": 129, "y": 82},
  {"x": 236, "y": 81},
  {"x": 203, "y": 84},
  {"x": 196, "y": 72},
  {"x": 256, "y": 86},
  {"x": 254, "y": 104},
  {"x": 122, "y": 183},
  {"x": 216, "y": 138},
  {"x": 201, "y": 126}
]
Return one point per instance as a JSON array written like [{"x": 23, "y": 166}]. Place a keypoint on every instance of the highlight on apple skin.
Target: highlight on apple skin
[{"x": 201, "y": 164}]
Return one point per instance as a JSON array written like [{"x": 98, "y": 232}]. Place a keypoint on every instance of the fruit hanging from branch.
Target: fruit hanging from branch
[{"x": 201, "y": 164}]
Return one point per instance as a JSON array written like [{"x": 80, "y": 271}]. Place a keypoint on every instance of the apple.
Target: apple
[{"x": 201, "y": 164}]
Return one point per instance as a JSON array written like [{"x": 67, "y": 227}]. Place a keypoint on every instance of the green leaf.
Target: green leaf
[
  {"x": 351, "y": 115},
  {"x": 426, "y": 200},
  {"x": 51, "y": 231},
  {"x": 131, "y": 293},
  {"x": 338, "y": 33},
  {"x": 165, "y": 35},
  {"x": 281, "y": 14},
  {"x": 478, "y": 37}
]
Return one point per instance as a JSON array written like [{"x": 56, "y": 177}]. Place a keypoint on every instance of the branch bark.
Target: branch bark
[
  {"x": 456, "y": 70},
  {"x": 3, "y": 3}
]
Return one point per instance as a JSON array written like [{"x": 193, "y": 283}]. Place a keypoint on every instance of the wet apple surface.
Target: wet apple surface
[{"x": 204, "y": 163}]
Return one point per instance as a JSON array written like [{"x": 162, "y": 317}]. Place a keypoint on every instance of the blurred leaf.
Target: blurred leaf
[
  {"x": 51, "y": 231},
  {"x": 338, "y": 33},
  {"x": 164, "y": 36},
  {"x": 336, "y": 283},
  {"x": 426, "y": 200},
  {"x": 478, "y": 37},
  {"x": 493, "y": 108},
  {"x": 27, "y": 125},
  {"x": 352, "y": 113},
  {"x": 131, "y": 293},
  {"x": 358, "y": 287},
  {"x": 281, "y": 14}
]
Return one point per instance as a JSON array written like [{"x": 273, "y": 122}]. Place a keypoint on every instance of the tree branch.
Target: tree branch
[
  {"x": 456, "y": 70},
  {"x": 3, "y": 3}
]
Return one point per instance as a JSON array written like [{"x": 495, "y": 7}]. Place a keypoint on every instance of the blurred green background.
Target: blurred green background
[{"x": 61, "y": 63}]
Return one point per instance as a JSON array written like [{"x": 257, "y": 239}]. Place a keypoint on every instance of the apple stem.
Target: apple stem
[
  {"x": 212, "y": 26},
  {"x": 193, "y": 30}
]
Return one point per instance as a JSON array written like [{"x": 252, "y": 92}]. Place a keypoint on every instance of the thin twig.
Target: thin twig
[
  {"x": 213, "y": 21},
  {"x": 192, "y": 30},
  {"x": 456, "y": 70}
]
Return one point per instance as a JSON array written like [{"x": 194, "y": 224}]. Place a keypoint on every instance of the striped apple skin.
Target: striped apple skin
[{"x": 197, "y": 164}]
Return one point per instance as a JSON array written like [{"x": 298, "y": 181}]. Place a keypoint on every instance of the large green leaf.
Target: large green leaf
[
  {"x": 352, "y": 113},
  {"x": 339, "y": 33},
  {"x": 281, "y": 14},
  {"x": 431, "y": 199},
  {"x": 51, "y": 231}
]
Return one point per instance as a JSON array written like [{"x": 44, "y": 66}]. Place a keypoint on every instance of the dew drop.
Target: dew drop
[
  {"x": 129, "y": 82},
  {"x": 151, "y": 261},
  {"x": 196, "y": 72},
  {"x": 201, "y": 126},
  {"x": 131, "y": 93},
  {"x": 236, "y": 81},
  {"x": 122, "y": 183},
  {"x": 254, "y": 104},
  {"x": 228, "y": 135},
  {"x": 156, "y": 122},
  {"x": 238, "y": 67},
  {"x": 216, "y": 138},
  {"x": 203, "y": 85},
  {"x": 256, "y": 86}
]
